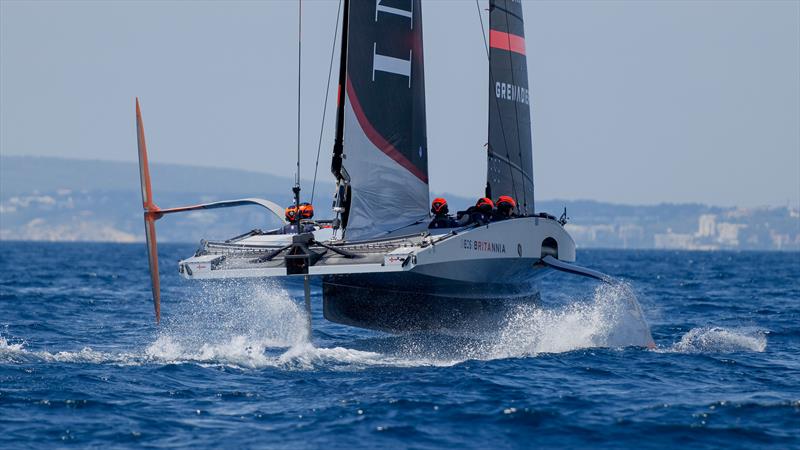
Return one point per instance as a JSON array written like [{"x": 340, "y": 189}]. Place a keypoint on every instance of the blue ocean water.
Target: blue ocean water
[{"x": 83, "y": 364}]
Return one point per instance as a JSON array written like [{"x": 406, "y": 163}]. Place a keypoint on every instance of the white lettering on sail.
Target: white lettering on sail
[
  {"x": 514, "y": 93},
  {"x": 390, "y": 64},
  {"x": 395, "y": 11}
]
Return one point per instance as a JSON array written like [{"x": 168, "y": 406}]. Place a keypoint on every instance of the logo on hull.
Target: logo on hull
[{"x": 483, "y": 246}]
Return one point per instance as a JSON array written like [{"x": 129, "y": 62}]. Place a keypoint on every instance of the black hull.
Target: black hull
[{"x": 414, "y": 303}]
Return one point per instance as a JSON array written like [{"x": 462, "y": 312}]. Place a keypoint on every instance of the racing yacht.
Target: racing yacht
[{"x": 380, "y": 264}]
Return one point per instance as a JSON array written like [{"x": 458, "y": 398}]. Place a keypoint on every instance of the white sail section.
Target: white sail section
[{"x": 385, "y": 196}]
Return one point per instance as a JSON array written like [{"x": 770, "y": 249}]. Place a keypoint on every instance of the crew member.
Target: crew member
[
  {"x": 290, "y": 213},
  {"x": 441, "y": 218},
  {"x": 306, "y": 211},
  {"x": 505, "y": 208},
  {"x": 481, "y": 213},
  {"x": 294, "y": 215},
  {"x": 298, "y": 220}
]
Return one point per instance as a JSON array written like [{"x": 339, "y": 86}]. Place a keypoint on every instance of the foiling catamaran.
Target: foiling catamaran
[{"x": 381, "y": 265}]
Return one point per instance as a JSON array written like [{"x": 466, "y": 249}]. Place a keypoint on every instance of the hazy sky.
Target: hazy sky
[{"x": 633, "y": 101}]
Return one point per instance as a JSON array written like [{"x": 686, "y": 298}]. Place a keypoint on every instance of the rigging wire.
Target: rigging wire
[
  {"x": 325, "y": 107},
  {"x": 519, "y": 140},
  {"x": 483, "y": 30}
]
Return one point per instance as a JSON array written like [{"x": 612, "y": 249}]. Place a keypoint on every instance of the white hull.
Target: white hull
[
  {"x": 416, "y": 282},
  {"x": 505, "y": 249}
]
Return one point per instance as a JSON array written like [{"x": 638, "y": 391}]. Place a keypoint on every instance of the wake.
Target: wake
[{"x": 257, "y": 326}]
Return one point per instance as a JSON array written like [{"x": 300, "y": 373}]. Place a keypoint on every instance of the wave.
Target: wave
[
  {"x": 253, "y": 326},
  {"x": 721, "y": 340},
  {"x": 6, "y": 348},
  {"x": 249, "y": 325},
  {"x": 262, "y": 318},
  {"x": 17, "y": 353},
  {"x": 231, "y": 323},
  {"x": 612, "y": 319}
]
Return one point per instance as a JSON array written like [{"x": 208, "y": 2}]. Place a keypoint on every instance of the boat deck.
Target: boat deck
[{"x": 249, "y": 257}]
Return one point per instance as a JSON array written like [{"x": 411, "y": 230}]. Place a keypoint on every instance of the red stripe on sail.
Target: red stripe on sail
[
  {"x": 507, "y": 41},
  {"x": 378, "y": 140}
]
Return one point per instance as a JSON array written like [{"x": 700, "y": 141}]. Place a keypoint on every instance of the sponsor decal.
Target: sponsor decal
[
  {"x": 483, "y": 246},
  {"x": 393, "y": 260},
  {"x": 386, "y": 63},
  {"x": 512, "y": 92}
]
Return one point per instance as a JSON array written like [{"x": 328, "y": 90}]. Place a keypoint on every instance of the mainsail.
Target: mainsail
[
  {"x": 381, "y": 155},
  {"x": 510, "y": 165}
]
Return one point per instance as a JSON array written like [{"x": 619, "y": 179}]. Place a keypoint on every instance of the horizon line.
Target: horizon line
[{"x": 787, "y": 204}]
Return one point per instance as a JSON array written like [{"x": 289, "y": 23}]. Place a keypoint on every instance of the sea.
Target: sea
[{"x": 232, "y": 364}]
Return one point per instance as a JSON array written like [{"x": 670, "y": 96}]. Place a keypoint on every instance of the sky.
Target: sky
[{"x": 636, "y": 102}]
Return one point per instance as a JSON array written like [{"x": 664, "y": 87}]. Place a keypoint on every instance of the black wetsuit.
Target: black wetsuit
[
  {"x": 499, "y": 215},
  {"x": 443, "y": 221},
  {"x": 473, "y": 214},
  {"x": 292, "y": 228}
]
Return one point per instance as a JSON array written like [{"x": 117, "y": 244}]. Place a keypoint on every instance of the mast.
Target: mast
[
  {"x": 342, "y": 200},
  {"x": 338, "y": 144}
]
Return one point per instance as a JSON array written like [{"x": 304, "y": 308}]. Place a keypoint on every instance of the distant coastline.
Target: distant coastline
[{"x": 72, "y": 200}]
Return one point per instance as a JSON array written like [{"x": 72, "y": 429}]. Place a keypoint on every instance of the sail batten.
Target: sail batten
[{"x": 510, "y": 153}]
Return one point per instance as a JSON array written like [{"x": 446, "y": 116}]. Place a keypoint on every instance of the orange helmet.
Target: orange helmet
[
  {"x": 485, "y": 204},
  {"x": 506, "y": 200},
  {"x": 439, "y": 206},
  {"x": 290, "y": 213},
  {"x": 306, "y": 210}
]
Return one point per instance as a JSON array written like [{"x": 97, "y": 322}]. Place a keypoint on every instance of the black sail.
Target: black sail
[
  {"x": 383, "y": 149},
  {"x": 510, "y": 152}
]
